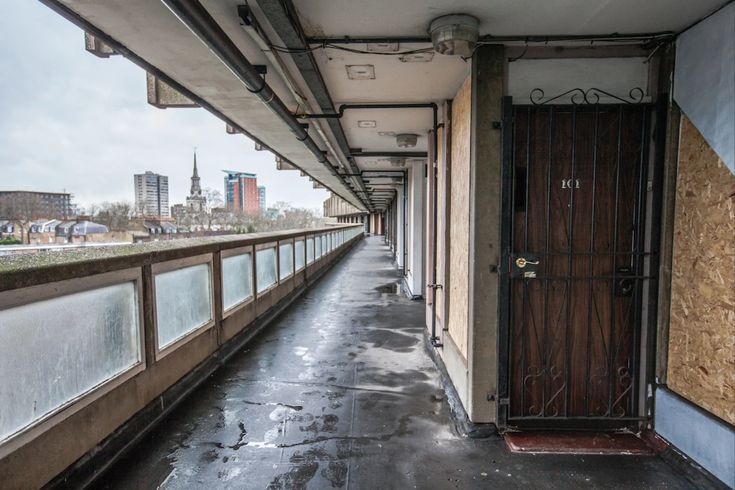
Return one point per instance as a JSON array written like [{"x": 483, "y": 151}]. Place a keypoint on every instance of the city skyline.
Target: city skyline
[{"x": 94, "y": 128}]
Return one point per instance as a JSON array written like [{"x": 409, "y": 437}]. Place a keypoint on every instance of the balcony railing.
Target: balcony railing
[{"x": 89, "y": 338}]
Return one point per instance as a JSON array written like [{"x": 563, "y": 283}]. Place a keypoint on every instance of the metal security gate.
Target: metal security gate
[{"x": 574, "y": 262}]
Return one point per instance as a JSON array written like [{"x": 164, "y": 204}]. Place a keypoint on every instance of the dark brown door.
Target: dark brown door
[{"x": 576, "y": 263}]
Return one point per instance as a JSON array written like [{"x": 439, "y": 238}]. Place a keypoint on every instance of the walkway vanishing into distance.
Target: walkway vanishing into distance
[{"x": 339, "y": 392}]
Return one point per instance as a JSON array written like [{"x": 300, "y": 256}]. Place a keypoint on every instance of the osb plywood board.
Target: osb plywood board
[
  {"x": 701, "y": 364},
  {"x": 459, "y": 224}
]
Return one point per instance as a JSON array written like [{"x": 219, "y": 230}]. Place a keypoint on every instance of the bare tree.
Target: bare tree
[
  {"x": 22, "y": 209},
  {"x": 214, "y": 198},
  {"x": 115, "y": 215},
  {"x": 205, "y": 218},
  {"x": 283, "y": 216}
]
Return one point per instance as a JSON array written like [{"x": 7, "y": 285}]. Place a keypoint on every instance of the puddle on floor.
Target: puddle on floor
[{"x": 390, "y": 288}]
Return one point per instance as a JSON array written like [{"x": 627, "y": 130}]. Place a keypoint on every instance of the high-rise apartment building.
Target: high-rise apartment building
[
  {"x": 241, "y": 192},
  {"x": 37, "y": 204},
  {"x": 261, "y": 198},
  {"x": 151, "y": 194}
]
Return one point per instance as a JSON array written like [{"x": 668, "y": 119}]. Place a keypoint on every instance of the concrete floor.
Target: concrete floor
[{"x": 340, "y": 393}]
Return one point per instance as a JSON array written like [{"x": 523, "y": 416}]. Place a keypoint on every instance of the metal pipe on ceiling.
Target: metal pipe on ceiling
[
  {"x": 344, "y": 107},
  {"x": 534, "y": 38},
  {"x": 284, "y": 20},
  {"x": 389, "y": 154},
  {"x": 254, "y": 30},
  {"x": 419, "y": 105},
  {"x": 201, "y": 23}
]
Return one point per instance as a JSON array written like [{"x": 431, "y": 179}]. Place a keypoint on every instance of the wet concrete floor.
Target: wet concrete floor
[{"x": 339, "y": 392}]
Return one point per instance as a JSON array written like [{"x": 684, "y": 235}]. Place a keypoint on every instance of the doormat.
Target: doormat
[{"x": 576, "y": 442}]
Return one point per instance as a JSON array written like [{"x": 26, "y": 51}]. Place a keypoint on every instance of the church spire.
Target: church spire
[{"x": 196, "y": 189}]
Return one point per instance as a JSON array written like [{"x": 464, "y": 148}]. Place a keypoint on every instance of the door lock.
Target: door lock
[{"x": 521, "y": 262}]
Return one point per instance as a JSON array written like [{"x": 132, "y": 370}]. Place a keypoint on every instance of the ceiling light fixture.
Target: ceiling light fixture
[
  {"x": 407, "y": 140},
  {"x": 454, "y": 34},
  {"x": 367, "y": 124}
]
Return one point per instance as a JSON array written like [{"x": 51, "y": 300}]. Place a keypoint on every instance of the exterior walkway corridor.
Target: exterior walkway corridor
[{"x": 340, "y": 393}]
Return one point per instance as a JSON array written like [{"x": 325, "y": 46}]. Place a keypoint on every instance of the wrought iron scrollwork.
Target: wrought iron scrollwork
[{"x": 591, "y": 96}]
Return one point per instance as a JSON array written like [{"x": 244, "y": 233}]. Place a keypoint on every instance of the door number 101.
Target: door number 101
[{"x": 567, "y": 183}]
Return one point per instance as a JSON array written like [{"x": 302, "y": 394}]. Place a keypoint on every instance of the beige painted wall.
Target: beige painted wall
[{"x": 459, "y": 221}]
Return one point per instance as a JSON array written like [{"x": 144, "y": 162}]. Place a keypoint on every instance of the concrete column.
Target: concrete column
[
  {"x": 399, "y": 239},
  {"x": 488, "y": 64},
  {"x": 415, "y": 215}
]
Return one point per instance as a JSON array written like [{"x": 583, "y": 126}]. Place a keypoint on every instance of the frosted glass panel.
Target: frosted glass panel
[
  {"x": 318, "y": 245},
  {"x": 183, "y": 302},
  {"x": 237, "y": 279},
  {"x": 285, "y": 260},
  {"x": 299, "y": 255},
  {"x": 324, "y": 245},
  {"x": 265, "y": 263},
  {"x": 309, "y": 250},
  {"x": 55, "y": 350}
]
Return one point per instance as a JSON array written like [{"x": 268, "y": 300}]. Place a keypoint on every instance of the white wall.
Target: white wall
[
  {"x": 704, "y": 80},
  {"x": 415, "y": 215},
  {"x": 399, "y": 238},
  {"x": 556, "y": 76}
]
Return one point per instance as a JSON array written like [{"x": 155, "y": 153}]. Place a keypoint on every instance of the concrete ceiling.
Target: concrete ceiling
[
  {"x": 440, "y": 78},
  {"x": 380, "y": 18},
  {"x": 154, "y": 33},
  {"x": 395, "y": 82}
]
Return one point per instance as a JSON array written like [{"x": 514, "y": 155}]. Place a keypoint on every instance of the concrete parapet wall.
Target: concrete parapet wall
[{"x": 36, "y": 455}]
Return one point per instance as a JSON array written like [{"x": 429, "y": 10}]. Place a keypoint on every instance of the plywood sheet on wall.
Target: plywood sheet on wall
[
  {"x": 459, "y": 225},
  {"x": 701, "y": 364}
]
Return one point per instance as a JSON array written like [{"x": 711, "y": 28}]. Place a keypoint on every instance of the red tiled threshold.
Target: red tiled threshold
[{"x": 576, "y": 442}]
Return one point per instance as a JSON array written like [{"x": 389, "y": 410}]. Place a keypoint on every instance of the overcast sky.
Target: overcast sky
[{"x": 70, "y": 121}]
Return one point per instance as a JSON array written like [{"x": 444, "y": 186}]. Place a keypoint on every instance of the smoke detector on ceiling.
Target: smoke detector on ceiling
[
  {"x": 406, "y": 140},
  {"x": 454, "y": 34}
]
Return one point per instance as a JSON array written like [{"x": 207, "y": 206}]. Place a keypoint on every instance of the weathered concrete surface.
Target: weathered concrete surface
[{"x": 340, "y": 393}]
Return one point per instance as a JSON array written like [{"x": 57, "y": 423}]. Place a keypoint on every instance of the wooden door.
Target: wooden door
[{"x": 576, "y": 259}]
